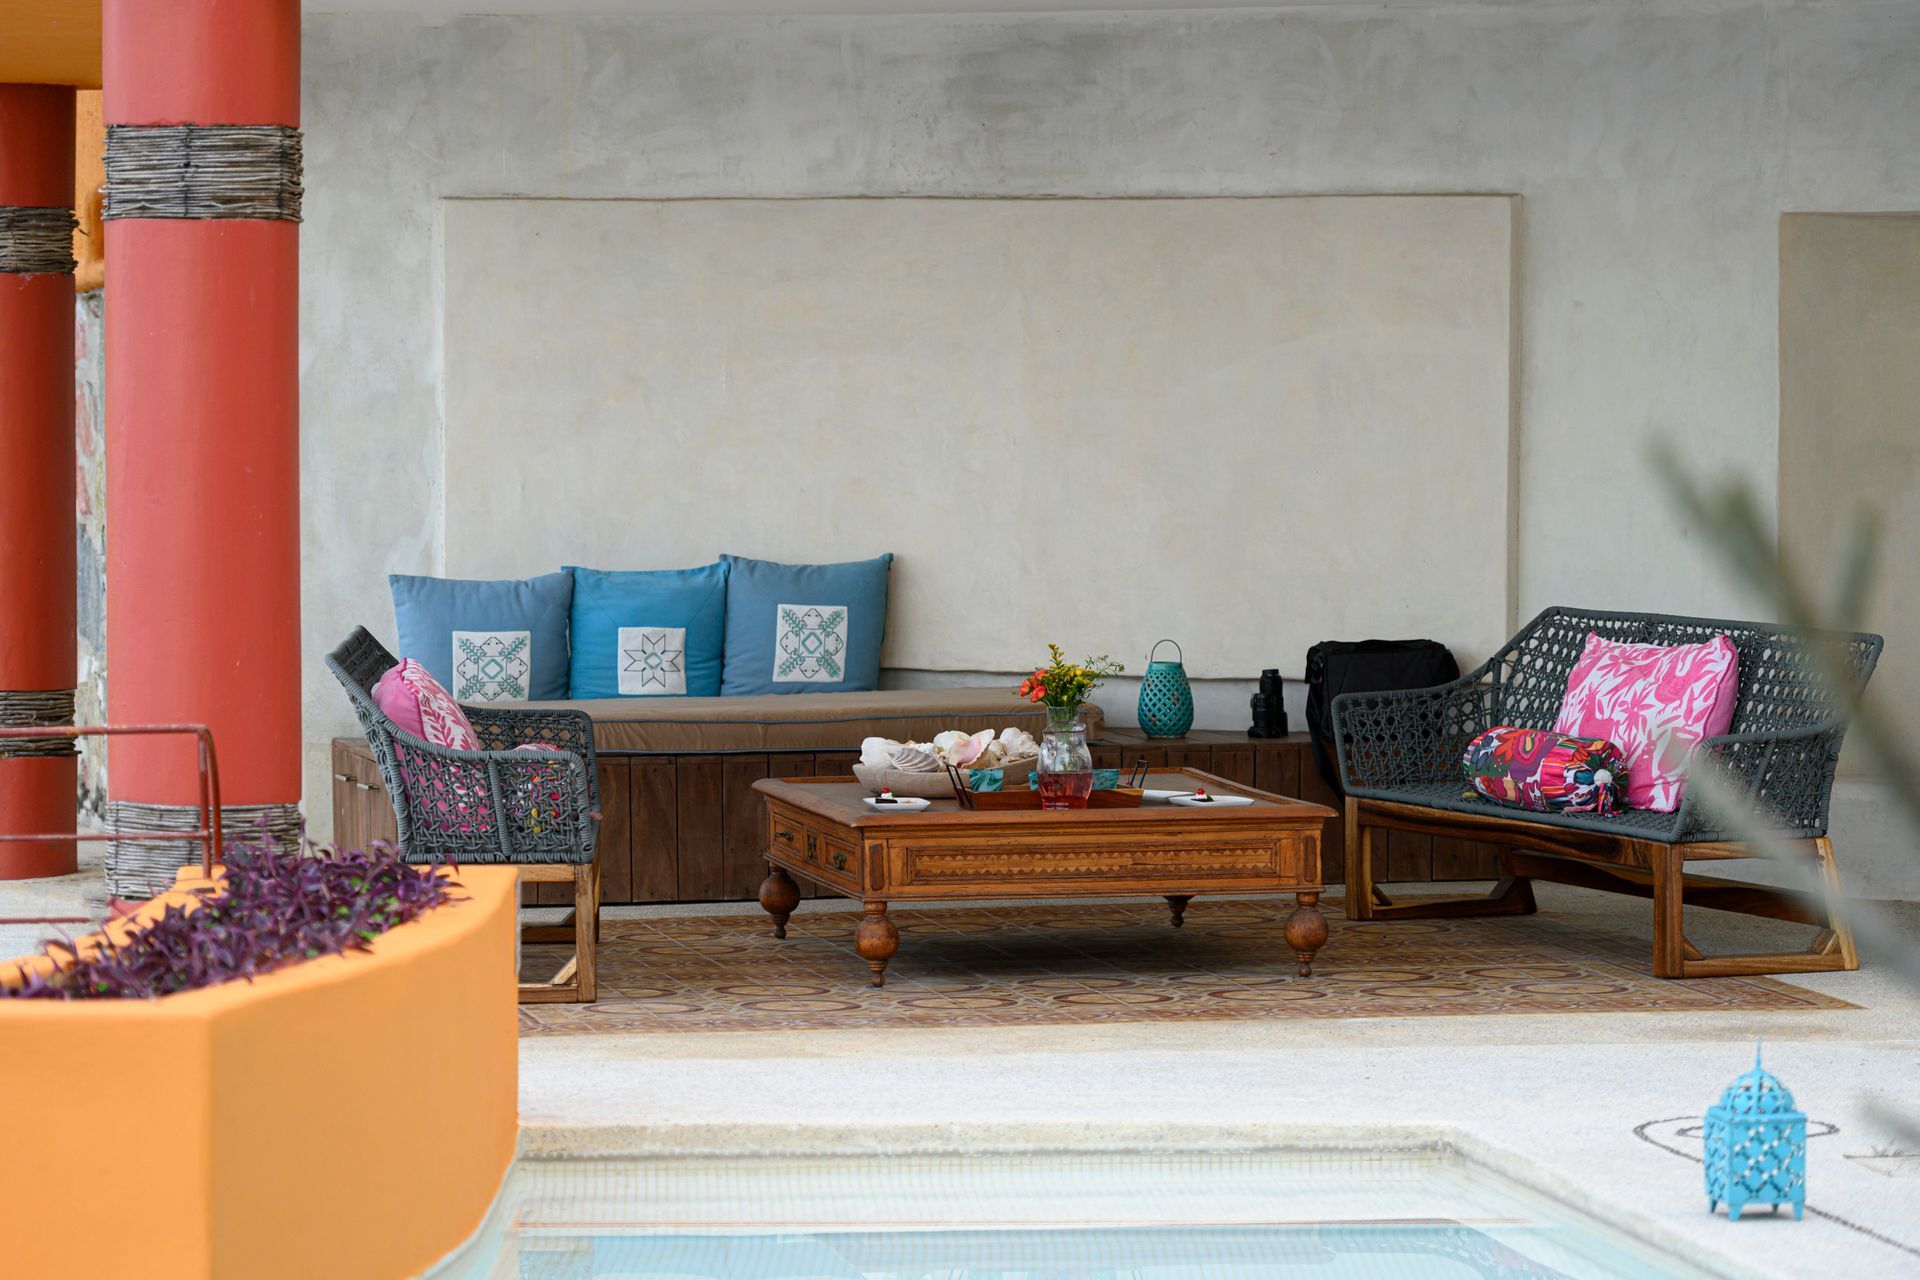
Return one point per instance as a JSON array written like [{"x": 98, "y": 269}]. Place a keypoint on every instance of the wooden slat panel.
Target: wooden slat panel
[
  {"x": 702, "y": 855},
  {"x": 615, "y": 850},
  {"x": 1235, "y": 764},
  {"x": 1189, "y": 757},
  {"x": 1108, "y": 756},
  {"x": 1333, "y": 841},
  {"x": 1276, "y": 768},
  {"x": 1409, "y": 856},
  {"x": 834, "y": 764},
  {"x": 790, "y": 764},
  {"x": 743, "y": 836},
  {"x": 1465, "y": 859},
  {"x": 654, "y": 817}
]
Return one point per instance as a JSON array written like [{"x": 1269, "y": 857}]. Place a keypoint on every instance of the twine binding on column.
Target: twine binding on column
[
  {"x": 139, "y": 869},
  {"x": 36, "y": 240},
  {"x": 28, "y": 708},
  {"x": 249, "y": 171}
]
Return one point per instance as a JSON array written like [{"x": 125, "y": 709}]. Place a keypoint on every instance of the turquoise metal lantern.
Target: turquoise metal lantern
[
  {"x": 1166, "y": 699},
  {"x": 1756, "y": 1146}
]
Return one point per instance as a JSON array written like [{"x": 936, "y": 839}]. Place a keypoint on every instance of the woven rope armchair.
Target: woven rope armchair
[
  {"x": 1400, "y": 763},
  {"x": 539, "y": 810}
]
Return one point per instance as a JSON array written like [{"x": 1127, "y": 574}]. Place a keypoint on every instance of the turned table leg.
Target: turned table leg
[
  {"x": 779, "y": 895},
  {"x": 1306, "y": 930},
  {"x": 876, "y": 940},
  {"x": 1177, "y": 903}
]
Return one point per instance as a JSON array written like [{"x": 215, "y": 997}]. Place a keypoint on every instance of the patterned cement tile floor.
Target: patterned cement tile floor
[{"x": 1036, "y": 964}]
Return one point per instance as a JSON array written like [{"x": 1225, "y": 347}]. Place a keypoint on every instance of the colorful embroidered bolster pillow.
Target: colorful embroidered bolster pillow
[{"x": 1546, "y": 772}]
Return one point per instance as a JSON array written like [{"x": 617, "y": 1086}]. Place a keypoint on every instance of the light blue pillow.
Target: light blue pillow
[
  {"x": 487, "y": 641},
  {"x": 804, "y": 628},
  {"x": 648, "y": 634}
]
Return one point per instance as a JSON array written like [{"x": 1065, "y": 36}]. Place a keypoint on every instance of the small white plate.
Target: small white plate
[
  {"x": 901, "y": 804},
  {"x": 1154, "y": 796},
  {"x": 1211, "y": 802}
]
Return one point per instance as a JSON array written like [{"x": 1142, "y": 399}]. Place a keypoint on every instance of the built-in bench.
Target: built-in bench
[{"x": 682, "y": 822}]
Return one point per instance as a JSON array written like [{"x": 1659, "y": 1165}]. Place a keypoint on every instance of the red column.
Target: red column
[
  {"x": 202, "y": 401},
  {"x": 37, "y": 793}
]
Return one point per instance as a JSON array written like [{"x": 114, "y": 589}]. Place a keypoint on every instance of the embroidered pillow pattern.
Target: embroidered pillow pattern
[
  {"x": 492, "y": 666},
  {"x": 442, "y": 722},
  {"x": 1656, "y": 703},
  {"x": 810, "y": 643},
  {"x": 1545, "y": 772},
  {"x": 652, "y": 661}
]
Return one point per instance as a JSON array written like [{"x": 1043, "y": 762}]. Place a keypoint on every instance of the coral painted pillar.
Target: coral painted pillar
[
  {"x": 37, "y": 777},
  {"x": 202, "y": 106}
]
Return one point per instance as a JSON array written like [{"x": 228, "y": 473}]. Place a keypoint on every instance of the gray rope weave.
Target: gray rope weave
[
  {"x": 140, "y": 869},
  {"x": 29, "y": 708},
  {"x": 1780, "y": 751},
  {"x": 203, "y": 171},
  {"x": 36, "y": 240}
]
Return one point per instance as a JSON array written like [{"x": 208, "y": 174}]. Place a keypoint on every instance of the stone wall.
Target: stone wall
[{"x": 90, "y": 532}]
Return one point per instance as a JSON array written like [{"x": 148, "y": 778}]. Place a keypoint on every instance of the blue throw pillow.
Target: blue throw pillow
[
  {"x": 804, "y": 628},
  {"x": 648, "y": 634},
  {"x": 487, "y": 641}
]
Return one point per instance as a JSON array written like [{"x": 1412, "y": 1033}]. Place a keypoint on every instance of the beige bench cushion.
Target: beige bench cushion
[{"x": 803, "y": 721}]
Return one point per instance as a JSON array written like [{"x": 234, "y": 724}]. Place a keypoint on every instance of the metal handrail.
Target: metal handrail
[{"x": 209, "y": 831}]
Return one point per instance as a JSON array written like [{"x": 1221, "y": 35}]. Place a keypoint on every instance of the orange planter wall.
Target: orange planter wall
[{"x": 352, "y": 1116}]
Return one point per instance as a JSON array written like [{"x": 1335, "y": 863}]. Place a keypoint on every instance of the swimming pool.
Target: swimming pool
[{"x": 1389, "y": 1215}]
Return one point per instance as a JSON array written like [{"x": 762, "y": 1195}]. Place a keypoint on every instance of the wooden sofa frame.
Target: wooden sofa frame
[{"x": 1400, "y": 757}]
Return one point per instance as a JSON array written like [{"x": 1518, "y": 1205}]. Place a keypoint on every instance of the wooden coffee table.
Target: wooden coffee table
[{"x": 819, "y": 829}]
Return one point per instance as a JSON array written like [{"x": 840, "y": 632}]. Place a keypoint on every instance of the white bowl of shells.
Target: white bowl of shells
[{"x": 920, "y": 768}]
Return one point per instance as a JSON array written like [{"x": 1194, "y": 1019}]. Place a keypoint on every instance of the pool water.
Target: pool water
[{"x": 1397, "y": 1215}]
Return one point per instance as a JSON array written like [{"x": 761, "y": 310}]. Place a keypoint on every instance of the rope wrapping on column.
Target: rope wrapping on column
[
  {"x": 29, "y": 708},
  {"x": 141, "y": 869},
  {"x": 36, "y": 240},
  {"x": 249, "y": 171}
]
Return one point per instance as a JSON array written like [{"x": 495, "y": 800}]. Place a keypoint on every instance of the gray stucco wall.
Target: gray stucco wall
[{"x": 1654, "y": 145}]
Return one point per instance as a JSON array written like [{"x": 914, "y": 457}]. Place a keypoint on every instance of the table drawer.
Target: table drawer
[{"x": 814, "y": 852}]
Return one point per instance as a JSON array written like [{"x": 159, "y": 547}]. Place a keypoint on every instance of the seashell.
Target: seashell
[
  {"x": 877, "y": 753},
  {"x": 969, "y": 751},
  {"x": 948, "y": 742},
  {"x": 912, "y": 758}
]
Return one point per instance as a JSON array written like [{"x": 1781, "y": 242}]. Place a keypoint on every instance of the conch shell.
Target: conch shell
[
  {"x": 969, "y": 751},
  {"x": 911, "y": 758}
]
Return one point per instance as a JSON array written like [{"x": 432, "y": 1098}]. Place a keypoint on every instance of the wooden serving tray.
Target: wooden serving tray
[{"x": 1027, "y": 798}]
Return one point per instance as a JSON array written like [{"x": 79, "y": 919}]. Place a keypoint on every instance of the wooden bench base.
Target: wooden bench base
[
  {"x": 575, "y": 982},
  {"x": 1615, "y": 864}
]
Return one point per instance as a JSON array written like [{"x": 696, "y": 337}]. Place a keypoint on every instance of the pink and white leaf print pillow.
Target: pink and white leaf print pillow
[
  {"x": 1655, "y": 703},
  {"x": 416, "y": 702}
]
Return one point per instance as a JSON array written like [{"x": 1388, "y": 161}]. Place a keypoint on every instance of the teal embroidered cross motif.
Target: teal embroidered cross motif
[
  {"x": 810, "y": 643},
  {"x": 492, "y": 666}
]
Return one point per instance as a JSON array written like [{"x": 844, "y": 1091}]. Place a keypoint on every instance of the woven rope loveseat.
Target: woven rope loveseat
[{"x": 1400, "y": 759}]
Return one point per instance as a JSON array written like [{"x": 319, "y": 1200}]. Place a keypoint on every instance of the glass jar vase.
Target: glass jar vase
[{"x": 1066, "y": 762}]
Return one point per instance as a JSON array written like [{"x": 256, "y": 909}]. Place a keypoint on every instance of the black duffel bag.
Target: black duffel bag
[{"x": 1335, "y": 667}]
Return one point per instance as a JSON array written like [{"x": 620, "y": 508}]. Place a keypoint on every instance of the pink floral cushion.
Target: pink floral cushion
[
  {"x": 416, "y": 702},
  {"x": 1655, "y": 703}
]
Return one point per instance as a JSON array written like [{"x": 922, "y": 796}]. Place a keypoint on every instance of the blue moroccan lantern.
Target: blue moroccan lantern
[
  {"x": 1756, "y": 1146},
  {"x": 1166, "y": 699}
]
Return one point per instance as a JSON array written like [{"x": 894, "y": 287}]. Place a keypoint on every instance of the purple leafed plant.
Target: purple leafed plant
[{"x": 273, "y": 909}]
